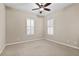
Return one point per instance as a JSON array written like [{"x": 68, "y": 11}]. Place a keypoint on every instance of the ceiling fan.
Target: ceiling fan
[{"x": 42, "y": 7}]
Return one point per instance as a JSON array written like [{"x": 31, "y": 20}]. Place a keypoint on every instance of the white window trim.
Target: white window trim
[{"x": 30, "y": 27}]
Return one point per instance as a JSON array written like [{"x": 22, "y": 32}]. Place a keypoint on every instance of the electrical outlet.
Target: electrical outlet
[{"x": 74, "y": 42}]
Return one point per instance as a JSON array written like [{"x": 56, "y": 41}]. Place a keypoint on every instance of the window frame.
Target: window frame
[
  {"x": 50, "y": 26},
  {"x": 31, "y": 28}
]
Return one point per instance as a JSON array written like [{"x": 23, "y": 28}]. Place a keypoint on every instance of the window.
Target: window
[
  {"x": 50, "y": 26},
  {"x": 30, "y": 26}
]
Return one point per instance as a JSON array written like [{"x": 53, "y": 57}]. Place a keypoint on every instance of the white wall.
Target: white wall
[
  {"x": 66, "y": 25},
  {"x": 2, "y": 27},
  {"x": 16, "y": 26}
]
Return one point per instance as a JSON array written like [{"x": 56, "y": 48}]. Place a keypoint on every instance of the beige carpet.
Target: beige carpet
[{"x": 39, "y": 48}]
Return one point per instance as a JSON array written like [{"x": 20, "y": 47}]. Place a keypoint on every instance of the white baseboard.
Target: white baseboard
[
  {"x": 75, "y": 47},
  {"x": 65, "y": 44},
  {"x": 2, "y": 49},
  {"x": 22, "y": 42}
]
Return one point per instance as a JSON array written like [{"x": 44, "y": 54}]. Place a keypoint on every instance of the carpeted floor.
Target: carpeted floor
[{"x": 39, "y": 48}]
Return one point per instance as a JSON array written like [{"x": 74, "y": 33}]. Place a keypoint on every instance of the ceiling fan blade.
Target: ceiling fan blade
[
  {"x": 38, "y": 5},
  {"x": 36, "y": 9},
  {"x": 46, "y": 9},
  {"x": 47, "y": 4}
]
